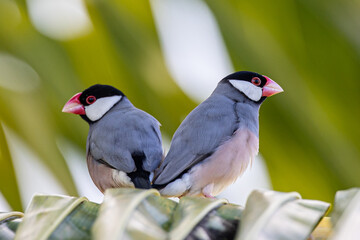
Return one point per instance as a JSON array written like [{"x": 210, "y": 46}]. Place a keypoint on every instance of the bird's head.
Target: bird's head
[
  {"x": 93, "y": 102},
  {"x": 254, "y": 86}
]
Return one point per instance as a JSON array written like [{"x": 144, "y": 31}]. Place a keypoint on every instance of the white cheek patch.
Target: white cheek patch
[
  {"x": 96, "y": 110},
  {"x": 250, "y": 90}
]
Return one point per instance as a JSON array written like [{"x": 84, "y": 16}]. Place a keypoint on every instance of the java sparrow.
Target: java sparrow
[
  {"x": 216, "y": 142},
  {"x": 124, "y": 143}
]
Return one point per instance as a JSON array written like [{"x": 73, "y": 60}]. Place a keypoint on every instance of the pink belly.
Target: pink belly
[{"x": 228, "y": 162}]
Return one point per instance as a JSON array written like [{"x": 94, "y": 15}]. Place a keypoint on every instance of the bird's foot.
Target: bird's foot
[
  {"x": 207, "y": 190},
  {"x": 209, "y": 196}
]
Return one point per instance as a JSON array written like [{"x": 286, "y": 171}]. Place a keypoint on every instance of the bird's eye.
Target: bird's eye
[
  {"x": 256, "y": 81},
  {"x": 90, "y": 99}
]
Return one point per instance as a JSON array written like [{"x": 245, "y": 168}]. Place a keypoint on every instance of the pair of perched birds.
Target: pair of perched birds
[{"x": 211, "y": 148}]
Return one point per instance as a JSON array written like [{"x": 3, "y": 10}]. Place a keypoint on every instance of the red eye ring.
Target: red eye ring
[
  {"x": 90, "y": 100},
  {"x": 256, "y": 81}
]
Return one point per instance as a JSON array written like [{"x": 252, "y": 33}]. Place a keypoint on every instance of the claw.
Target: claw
[{"x": 209, "y": 196}]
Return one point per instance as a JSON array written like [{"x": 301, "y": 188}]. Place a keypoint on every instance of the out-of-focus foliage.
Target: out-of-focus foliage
[
  {"x": 308, "y": 135},
  {"x": 143, "y": 214},
  {"x": 7, "y": 174}
]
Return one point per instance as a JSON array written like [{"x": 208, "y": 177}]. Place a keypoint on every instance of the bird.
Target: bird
[
  {"x": 124, "y": 144},
  {"x": 217, "y": 141}
]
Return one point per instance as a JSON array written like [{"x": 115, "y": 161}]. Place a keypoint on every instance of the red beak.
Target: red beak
[
  {"x": 271, "y": 88},
  {"x": 74, "y": 106}
]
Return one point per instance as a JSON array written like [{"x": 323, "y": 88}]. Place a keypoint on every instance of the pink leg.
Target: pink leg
[
  {"x": 207, "y": 190},
  {"x": 209, "y": 196}
]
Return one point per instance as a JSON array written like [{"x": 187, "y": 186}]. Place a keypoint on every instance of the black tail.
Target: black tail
[
  {"x": 140, "y": 177},
  {"x": 141, "y": 182},
  {"x": 158, "y": 186}
]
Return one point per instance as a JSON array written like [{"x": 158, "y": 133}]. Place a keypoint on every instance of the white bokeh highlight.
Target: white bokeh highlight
[
  {"x": 193, "y": 48},
  {"x": 76, "y": 160},
  {"x": 32, "y": 175},
  {"x": 16, "y": 75},
  {"x": 60, "y": 19},
  {"x": 4, "y": 206}
]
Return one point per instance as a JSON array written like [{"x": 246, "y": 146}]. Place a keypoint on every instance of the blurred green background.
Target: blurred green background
[{"x": 308, "y": 134}]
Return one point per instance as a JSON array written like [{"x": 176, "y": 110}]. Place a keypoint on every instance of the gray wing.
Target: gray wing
[
  {"x": 197, "y": 137},
  {"x": 120, "y": 134}
]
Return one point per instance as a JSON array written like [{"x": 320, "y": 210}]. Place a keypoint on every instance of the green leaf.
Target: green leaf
[
  {"x": 78, "y": 223},
  {"x": 230, "y": 211},
  {"x": 9, "y": 223},
  {"x": 323, "y": 230},
  {"x": 220, "y": 223},
  {"x": 132, "y": 213},
  {"x": 275, "y": 215},
  {"x": 10, "y": 215},
  {"x": 143, "y": 214},
  {"x": 151, "y": 219},
  {"x": 45, "y": 214},
  {"x": 189, "y": 212},
  {"x": 346, "y": 214},
  {"x": 51, "y": 217},
  {"x": 9, "y": 188}
]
